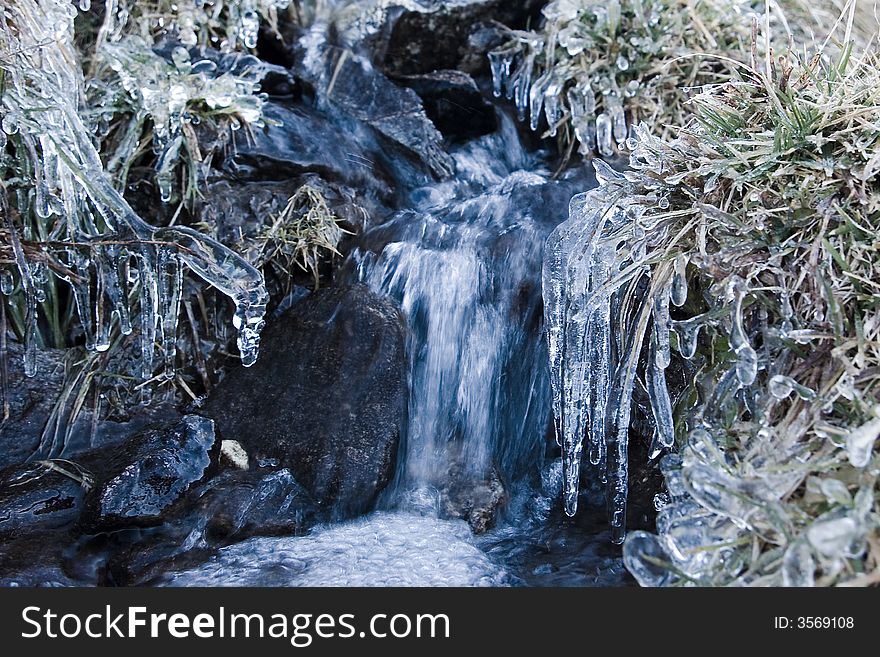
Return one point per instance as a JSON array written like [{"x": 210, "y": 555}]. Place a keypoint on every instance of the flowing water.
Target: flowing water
[{"x": 464, "y": 263}]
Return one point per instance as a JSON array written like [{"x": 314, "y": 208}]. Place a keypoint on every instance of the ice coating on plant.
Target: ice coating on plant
[
  {"x": 170, "y": 90},
  {"x": 860, "y": 442},
  {"x": 588, "y": 283},
  {"x": 596, "y": 68},
  {"x": 227, "y": 25},
  {"x": 105, "y": 248}
]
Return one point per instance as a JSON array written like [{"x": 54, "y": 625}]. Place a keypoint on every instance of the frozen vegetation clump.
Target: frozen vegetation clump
[
  {"x": 64, "y": 219},
  {"x": 743, "y": 255},
  {"x": 598, "y": 67},
  {"x": 227, "y": 25},
  {"x": 167, "y": 95}
]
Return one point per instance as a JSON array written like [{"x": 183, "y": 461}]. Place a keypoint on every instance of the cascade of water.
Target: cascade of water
[{"x": 464, "y": 266}]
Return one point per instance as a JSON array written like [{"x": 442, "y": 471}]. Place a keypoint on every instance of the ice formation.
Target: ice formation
[
  {"x": 102, "y": 248},
  {"x": 166, "y": 88},
  {"x": 526, "y": 71},
  {"x": 603, "y": 287},
  {"x": 596, "y": 324},
  {"x": 227, "y": 25}
]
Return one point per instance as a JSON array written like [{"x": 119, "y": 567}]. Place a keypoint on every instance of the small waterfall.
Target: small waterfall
[{"x": 464, "y": 263}]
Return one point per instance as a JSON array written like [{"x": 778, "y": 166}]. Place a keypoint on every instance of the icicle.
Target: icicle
[
  {"x": 621, "y": 402},
  {"x": 661, "y": 326},
  {"x": 115, "y": 273},
  {"x": 688, "y": 332},
  {"x": 604, "y": 135},
  {"x": 149, "y": 310},
  {"x": 500, "y": 62},
  {"x": 102, "y": 317},
  {"x": 536, "y": 99},
  {"x": 170, "y": 283},
  {"x": 30, "y": 298},
  {"x": 746, "y": 358},
  {"x": 618, "y": 117},
  {"x": 679, "y": 280},
  {"x": 521, "y": 84},
  {"x": 661, "y": 405},
  {"x": 552, "y": 109}
]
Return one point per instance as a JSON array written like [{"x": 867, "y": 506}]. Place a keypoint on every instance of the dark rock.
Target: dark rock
[
  {"x": 326, "y": 398},
  {"x": 301, "y": 139},
  {"x": 474, "y": 500},
  {"x": 40, "y": 496},
  {"x": 39, "y": 505},
  {"x": 235, "y": 505},
  {"x": 239, "y": 504},
  {"x": 139, "y": 480},
  {"x": 434, "y": 35},
  {"x": 27, "y": 401},
  {"x": 351, "y": 85},
  {"x": 454, "y": 104}
]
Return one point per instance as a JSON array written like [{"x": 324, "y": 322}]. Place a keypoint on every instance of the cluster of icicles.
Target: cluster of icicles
[
  {"x": 106, "y": 251},
  {"x": 597, "y": 318},
  {"x": 547, "y": 97},
  {"x": 191, "y": 20}
]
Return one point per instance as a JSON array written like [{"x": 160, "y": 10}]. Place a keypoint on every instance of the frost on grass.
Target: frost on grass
[
  {"x": 72, "y": 220},
  {"x": 744, "y": 251},
  {"x": 597, "y": 67}
]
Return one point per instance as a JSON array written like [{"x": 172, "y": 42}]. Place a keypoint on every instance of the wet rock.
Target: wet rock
[
  {"x": 27, "y": 402},
  {"x": 454, "y": 104},
  {"x": 474, "y": 499},
  {"x": 434, "y": 34},
  {"x": 40, "y": 503},
  {"x": 326, "y": 397},
  {"x": 302, "y": 139},
  {"x": 136, "y": 482},
  {"x": 41, "y": 496},
  {"x": 349, "y": 84},
  {"x": 233, "y": 506}
]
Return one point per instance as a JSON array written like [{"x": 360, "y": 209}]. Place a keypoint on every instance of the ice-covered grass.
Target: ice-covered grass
[
  {"x": 66, "y": 224},
  {"x": 596, "y": 68},
  {"x": 87, "y": 97},
  {"x": 744, "y": 255}
]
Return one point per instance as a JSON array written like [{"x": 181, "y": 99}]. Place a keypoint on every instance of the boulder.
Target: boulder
[
  {"x": 326, "y": 398},
  {"x": 432, "y": 35},
  {"x": 350, "y": 85}
]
